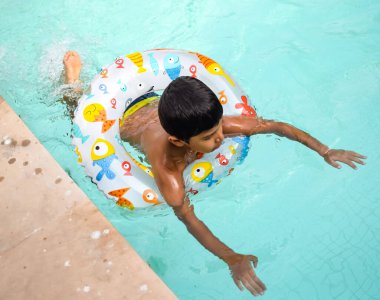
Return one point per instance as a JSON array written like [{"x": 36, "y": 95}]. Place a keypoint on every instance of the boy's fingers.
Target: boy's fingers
[
  {"x": 238, "y": 284},
  {"x": 358, "y": 155},
  {"x": 333, "y": 163},
  {"x": 251, "y": 286},
  {"x": 358, "y": 160},
  {"x": 260, "y": 283},
  {"x": 257, "y": 281},
  {"x": 348, "y": 162},
  {"x": 254, "y": 259}
]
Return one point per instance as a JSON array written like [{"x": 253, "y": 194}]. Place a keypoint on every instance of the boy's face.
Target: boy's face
[{"x": 208, "y": 140}]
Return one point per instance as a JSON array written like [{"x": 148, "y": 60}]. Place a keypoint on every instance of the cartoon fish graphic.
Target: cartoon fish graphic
[
  {"x": 89, "y": 96},
  {"x": 232, "y": 149},
  {"x": 153, "y": 64},
  {"x": 222, "y": 97},
  {"x": 172, "y": 65},
  {"x": 151, "y": 197},
  {"x": 193, "y": 71},
  {"x": 103, "y": 154},
  {"x": 244, "y": 141},
  {"x": 126, "y": 166},
  {"x": 138, "y": 60},
  {"x": 194, "y": 192},
  {"x": 123, "y": 86},
  {"x": 119, "y": 62},
  {"x": 230, "y": 171},
  {"x": 121, "y": 201},
  {"x": 248, "y": 111},
  {"x": 144, "y": 168},
  {"x": 222, "y": 159},
  {"x": 78, "y": 133},
  {"x": 213, "y": 67},
  {"x": 203, "y": 172},
  {"x": 96, "y": 113},
  {"x": 104, "y": 73},
  {"x": 79, "y": 155}
]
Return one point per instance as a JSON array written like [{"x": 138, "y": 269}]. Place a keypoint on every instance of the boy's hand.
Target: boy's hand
[
  {"x": 347, "y": 157},
  {"x": 243, "y": 273}
]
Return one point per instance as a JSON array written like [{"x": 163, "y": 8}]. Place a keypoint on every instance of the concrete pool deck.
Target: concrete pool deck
[{"x": 54, "y": 242}]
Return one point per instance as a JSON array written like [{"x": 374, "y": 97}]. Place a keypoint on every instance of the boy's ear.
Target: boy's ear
[{"x": 176, "y": 141}]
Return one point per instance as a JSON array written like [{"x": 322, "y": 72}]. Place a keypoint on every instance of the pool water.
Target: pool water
[{"x": 313, "y": 64}]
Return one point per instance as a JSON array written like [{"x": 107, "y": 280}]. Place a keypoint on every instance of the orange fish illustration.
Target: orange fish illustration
[
  {"x": 137, "y": 59},
  {"x": 222, "y": 97},
  {"x": 96, "y": 113},
  {"x": 248, "y": 111},
  {"x": 194, "y": 192},
  {"x": 121, "y": 201},
  {"x": 222, "y": 159},
  {"x": 213, "y": 67},
  {"x": 199, "y": 155},
  {"x": 104, "y": 73},
  {"x": 150, "y": 196}
]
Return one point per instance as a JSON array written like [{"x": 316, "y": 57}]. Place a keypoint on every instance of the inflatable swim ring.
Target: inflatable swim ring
[{"x": 116, "y": 90}]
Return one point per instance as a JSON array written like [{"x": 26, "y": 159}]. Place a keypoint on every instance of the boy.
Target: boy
[{"x": 188, "y": 119}]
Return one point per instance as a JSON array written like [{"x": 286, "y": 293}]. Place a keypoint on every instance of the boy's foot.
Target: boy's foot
[{"x": 73, "y": 65}]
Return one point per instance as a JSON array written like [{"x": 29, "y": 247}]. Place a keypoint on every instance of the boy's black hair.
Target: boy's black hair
[{"x": 187, "y": 107}]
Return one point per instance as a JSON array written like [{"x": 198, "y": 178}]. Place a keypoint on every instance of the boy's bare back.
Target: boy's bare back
[{"x": 143, "y": 130}]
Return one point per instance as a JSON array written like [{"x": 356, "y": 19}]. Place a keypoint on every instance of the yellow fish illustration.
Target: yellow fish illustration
[
  {"x": 103, "y": 154},
  {"x": 144, "y": 168},
  {"x": 213, "y": 67},
  {"x": 203, "y": 172},
  {"x": 232, "y": 149},
  {"x": 79, "y": 154},
  {"x": 96, "y": 113},
  {"x": 137, "y": 59}
]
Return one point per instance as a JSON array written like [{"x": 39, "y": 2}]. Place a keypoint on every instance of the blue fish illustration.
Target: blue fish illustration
[
  {"x": 244, "y": 141},
  {"x": 117, "y": 138},
  {"x": 123, "y": 86},
  {"x": 103, "y": 88},
  {"x": 103, "y": 154},
  {"x": 209, "y": 179},
  {"x": 89, "y": 96},
  {"x": 153, "y": 64},
  {"x": 172, "y": 65},
  {"x": 78, "y": 133}
]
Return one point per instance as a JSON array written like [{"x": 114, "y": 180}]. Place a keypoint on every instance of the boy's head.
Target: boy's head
[{"x": 191, "y": 114}]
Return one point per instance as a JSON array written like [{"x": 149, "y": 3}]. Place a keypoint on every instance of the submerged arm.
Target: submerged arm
[{"x": 171, "y": 187}]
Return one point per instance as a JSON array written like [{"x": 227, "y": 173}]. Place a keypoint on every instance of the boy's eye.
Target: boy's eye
[{"x": 206, "y": 138}]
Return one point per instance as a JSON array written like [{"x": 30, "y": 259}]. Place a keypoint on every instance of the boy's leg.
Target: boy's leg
[
  {"x": 73, "y": 91},
  {"x": 73, "y": 65}
]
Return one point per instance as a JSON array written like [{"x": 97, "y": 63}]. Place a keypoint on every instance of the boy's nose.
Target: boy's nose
[{"x": 220, "y": 139}]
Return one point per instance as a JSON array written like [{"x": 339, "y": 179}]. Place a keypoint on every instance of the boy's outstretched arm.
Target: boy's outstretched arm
[
  {"x": 250, "y": 126},
  {"x": 170, "y": 183}
]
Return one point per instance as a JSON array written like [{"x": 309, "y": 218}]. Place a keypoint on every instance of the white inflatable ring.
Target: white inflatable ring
[{"x": 96, "y": 134}]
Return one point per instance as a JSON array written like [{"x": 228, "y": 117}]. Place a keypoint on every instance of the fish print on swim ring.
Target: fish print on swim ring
[{"x": 116, "y": 91}]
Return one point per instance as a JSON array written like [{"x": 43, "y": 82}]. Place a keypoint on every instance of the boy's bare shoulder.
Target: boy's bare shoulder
[{"x": 167, "y": 174}]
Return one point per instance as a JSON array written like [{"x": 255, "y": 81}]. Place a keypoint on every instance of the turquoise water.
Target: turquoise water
[{"x": 314, "y": 64}]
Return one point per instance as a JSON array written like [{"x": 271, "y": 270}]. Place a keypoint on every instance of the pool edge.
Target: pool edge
[{"x": 54, "y": 242}]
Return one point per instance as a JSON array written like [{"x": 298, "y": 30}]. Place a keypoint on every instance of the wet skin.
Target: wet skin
[
  {"x": 169, "y": 155},
  {"x": 166, "y": 154}
]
